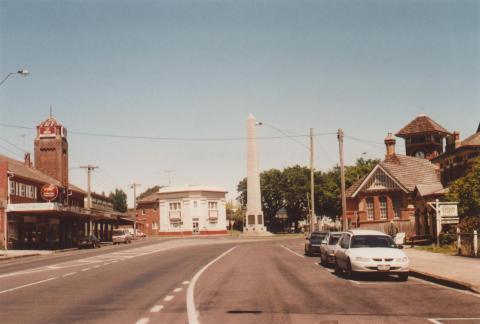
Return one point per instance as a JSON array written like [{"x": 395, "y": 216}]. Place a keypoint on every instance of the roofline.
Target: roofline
[
  {"x": 378, "y": 166},
  {"x": 402, "y": 134}
]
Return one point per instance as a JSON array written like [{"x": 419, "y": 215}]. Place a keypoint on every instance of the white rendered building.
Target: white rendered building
[{"x": 192, "y": 210}]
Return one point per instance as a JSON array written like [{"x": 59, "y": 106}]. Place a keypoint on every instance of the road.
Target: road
[{"x": 218, "y": 280}]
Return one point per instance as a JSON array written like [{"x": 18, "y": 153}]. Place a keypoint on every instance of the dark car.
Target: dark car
[
  {"x": 313, "y": 242},
  {"x": 90, "y": 241}
]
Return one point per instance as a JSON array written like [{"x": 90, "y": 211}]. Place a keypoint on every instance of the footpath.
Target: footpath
[
  {"x": 15, "y": 254},
  {"x": 450, "y": 270}
]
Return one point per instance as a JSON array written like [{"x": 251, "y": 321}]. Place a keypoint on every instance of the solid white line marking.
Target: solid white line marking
[
  {"x": 185, "y": 282},
  {"x": 156, "y": 308},
  {"x": 355, "y": 282},
  {"x": 438, "y": 320},
  {"x": 144, "y": 320},
  {"x": 69, "y": 274},
  {"x": 86, "y": 269},
  {"x": 27, "y": 285},
  {"x": 466, "y": 292},
  {"x": 177, "y": 289},
  {"x": 97, "y": 266},
  {"x": 289, "y": 250},
  {"x": 168, "y": 298},
  {"x": 191, "y": 310}
]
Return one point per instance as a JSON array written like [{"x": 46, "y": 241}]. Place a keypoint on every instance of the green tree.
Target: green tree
[
  {"x": 119, "y": 198},
  {"x": 149, "y": 191},
  {"x": 466, "y": 190}
]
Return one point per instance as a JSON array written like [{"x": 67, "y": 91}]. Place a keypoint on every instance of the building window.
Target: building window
[
  {"x": 195, "y": 204},
  {"x": 383, "y": 208},
  {"x": 154, "y": 225},
  {"x": 143, "y": 212},
  {"x": 212, "y": 205},
  {"x": 175, "y": 206},
  {"x": 30, "y": 191},
  {"x": 23, "y": 192},
  {"x": 397, "y": 207},
  {"x": 12, "y": 188},
  {"x": 370, "y": 208}
]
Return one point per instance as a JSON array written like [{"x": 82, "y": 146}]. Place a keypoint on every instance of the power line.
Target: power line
[
  {"x": 172, "y": 138},
  {"x": 10, "y": 151},
  {"x": 12, "y": 144}
]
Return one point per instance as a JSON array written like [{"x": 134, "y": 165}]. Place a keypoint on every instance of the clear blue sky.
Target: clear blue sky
[{"x": 197, "y": 68}]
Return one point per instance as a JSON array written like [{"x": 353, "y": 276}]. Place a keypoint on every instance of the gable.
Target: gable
[{"x": 379, "y": 180}]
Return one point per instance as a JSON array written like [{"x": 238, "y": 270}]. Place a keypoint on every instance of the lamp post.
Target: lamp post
[{"x": 21, "y": 72}]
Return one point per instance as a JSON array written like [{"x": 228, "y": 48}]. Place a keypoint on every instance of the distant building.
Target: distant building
[{"x": 184, "y": 211}]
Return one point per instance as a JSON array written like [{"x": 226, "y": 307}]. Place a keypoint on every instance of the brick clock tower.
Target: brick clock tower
[
  {"x": 51, "y": 150},
  {"x": 424, "y": 138}
]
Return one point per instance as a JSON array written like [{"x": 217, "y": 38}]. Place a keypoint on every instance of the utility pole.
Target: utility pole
[
  {"x": 89, "y": 168},
  {"x": 169, "y": 177},
  {"x": 312, "y": 182},
  {"x": 134, "y": 187},
  {"x": 342, "y": 180}
]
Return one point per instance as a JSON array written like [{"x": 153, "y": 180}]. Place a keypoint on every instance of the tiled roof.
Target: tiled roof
[
  {"x": 421, "y": 124},
  {"x": 21, "y": 170},
  {"x": 472, "y": 140},
  {"x": 408, "y": 171}
]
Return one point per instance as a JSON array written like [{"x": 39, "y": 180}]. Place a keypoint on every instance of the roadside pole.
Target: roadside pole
[
  {"x": 134, "y": 186},
  {"x": 340, "y": 135},
  {"x": 312, "y": 182},
  {"x": 89, "y": 168}
]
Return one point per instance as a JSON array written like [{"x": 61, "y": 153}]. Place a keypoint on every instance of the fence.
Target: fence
[{"x": 467, "y": 243}]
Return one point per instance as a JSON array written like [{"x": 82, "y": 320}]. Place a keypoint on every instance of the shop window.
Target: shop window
[
  {"x": 23, "y": 192},
  {"x": 383, "y": 208},
  {"x": 12, "y": 188},
  {"x": 370, "y": 208}
]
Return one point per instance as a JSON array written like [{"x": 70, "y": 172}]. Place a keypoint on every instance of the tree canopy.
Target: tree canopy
[
  {"x": 149, "y": 191},
  {"x": 466, "y": 190},
  {"x": 289, "y": 188},
  {"x": 119, "y": 198}
]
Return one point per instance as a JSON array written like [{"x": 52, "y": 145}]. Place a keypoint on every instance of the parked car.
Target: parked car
[
  {"x": 313, "y": 241},
  {"x": 328, "y": 247},
  {"x": 141, "y": 234},
  {"x": 363, "y": 251},
  {"x": 121, "y": 235},
  {"x": 89, "y": 241}
]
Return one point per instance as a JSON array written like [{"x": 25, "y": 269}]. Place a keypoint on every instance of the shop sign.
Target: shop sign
[
  {"x": 49, "y": 192},
  {"x": 31, "y": 207},
  {"x": 46, "y": 131}
]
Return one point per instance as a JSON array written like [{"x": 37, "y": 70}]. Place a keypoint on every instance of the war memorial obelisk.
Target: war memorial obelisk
[{"x": 254, "y": 222}]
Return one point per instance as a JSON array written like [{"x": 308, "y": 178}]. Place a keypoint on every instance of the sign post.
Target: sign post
[{"x": 446, "y": 213}]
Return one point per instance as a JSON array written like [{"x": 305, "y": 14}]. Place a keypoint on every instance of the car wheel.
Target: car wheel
[
  {"x": 338, "y": 270},
  {"x": 403, "y": 276},
  {"x": 322, "y": 260},
  {"x": 350, "y": 272}
]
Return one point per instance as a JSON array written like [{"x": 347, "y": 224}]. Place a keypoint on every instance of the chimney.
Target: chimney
[
  {"x": 390, "y": 144},
  {"x": 27, "y": 160},
  {"x": 456, "y": 136}
]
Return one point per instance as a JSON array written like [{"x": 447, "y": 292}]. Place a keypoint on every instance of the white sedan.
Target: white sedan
[{"x": 361, "y": 251}]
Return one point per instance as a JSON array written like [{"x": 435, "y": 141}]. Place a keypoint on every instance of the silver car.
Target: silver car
[{"x": 328, "y": 247}]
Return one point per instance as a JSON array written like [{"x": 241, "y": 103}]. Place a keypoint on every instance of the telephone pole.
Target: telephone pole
[
  {"x": 342, "y": 180},
  {"x": 134, "y": 187},
  {"x": 312, "y": 182},
  {"x": 89, "y": 168}
]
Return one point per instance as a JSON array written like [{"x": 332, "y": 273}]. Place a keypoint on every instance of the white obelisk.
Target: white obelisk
[{"x": 254, "y": 223}]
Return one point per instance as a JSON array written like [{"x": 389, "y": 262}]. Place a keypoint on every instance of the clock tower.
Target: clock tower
[
  {"x": 424, "y": 138},
  {"x": 51, "y": 150}
]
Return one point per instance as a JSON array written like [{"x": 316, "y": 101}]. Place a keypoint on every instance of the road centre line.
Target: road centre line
[
  {"x": 27, "y": 285},
  {"x": 168, "y": 298},
  {"x": 144, "y": 320},
  {"x": 185, "y": 282},
  {"x": 86, "y": 269},
  {"x": 297, "y": 254},
  {"x": 191, "y": 310},
  {"x": 156, "y": 308},
  {"x": 179, "y": 289},
  {"x": 69, "y": 274}
]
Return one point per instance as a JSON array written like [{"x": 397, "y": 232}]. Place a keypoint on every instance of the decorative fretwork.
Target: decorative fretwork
[{"x": 380, "y": 181}]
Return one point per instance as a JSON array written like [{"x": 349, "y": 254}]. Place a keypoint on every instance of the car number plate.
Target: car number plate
[{"x": 383, "y": 267}]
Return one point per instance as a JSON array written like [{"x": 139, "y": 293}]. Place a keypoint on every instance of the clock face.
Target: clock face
[{"x": 420, "y": 154}]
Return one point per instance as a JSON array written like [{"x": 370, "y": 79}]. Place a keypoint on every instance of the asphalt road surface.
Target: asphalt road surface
[{"x": 220, "y": 280}]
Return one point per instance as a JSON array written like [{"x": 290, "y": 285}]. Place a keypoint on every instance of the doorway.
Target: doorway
[{"x": 195, "y": 228}]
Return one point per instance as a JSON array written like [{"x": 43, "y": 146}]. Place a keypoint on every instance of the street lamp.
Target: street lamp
[{"x": 21, "y": 72}]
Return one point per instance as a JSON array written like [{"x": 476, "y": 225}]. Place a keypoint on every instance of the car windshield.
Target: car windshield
[
  {"x": 333, "y": 240},
  {"x": 317, "y": 237},
  {"x": 372, "y": 241}
]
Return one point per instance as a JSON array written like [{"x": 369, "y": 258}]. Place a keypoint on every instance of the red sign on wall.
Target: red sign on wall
[
  {"x": 47, "y": 131},
  {"x": 49, "y": 192}
]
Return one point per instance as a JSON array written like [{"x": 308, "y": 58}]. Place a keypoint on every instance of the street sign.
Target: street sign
[
  {"x": 446, "y": 221},
  {"x": 449, "y": 210}
]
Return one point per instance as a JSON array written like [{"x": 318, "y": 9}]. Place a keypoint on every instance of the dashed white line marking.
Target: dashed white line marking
[
  {"x": 97, "y": 266},
  {"x": 86, "y": 269},
  {"x": 144, "y": 320},
  {"x": 106, "y": 263},
  {"x": 156, "y": 308},
  {"x": 27, "y": 285},
  {"x": 177, "y": 289},
  {"x": 68, "y": 274},
  {"x": 168, "y": 298},
  {"x": 185, "y": 282},
  {"x": 291, "y": 251},
  {"x": 114, "y": 261},
  {"x": 191, "y": 309}
]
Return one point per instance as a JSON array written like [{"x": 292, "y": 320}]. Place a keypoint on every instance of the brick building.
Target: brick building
[
  {"x": 183, "y": 211},
  {"x": 39, "y": 208}
]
